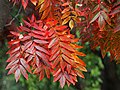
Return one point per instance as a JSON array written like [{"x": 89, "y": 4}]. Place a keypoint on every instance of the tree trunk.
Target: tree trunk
[
  {"x": 109, "y": 75},
  {"x": 4, "y": 13}
]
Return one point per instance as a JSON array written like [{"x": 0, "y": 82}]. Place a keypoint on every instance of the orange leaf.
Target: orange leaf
[
  {"x": 45, "y": 13},
  {"x": 65, "y": 15},
  {"x": 79, "y": 73},
  {"x": 66, "y": 10},
  {"x": 67, "y": 46},
  {"x": 44, "y": 5}
]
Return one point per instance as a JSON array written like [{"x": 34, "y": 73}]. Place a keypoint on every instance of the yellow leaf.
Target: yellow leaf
[
  {"x": 66, "y": 20},
  {"x": 74, "y": 13},
  {"x": 40, "y": 2},
  {"x": 71, "y": 24}
]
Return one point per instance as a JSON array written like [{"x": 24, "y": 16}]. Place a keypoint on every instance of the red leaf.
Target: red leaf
[
  {"x": 15, "y": 33},
  {"x": 57, "y": 72},
  {"x": 37, "y": 60},
  {"x": 24, "y": 3},
  {"x": 23, "y": 71},
  {"x": 15, "y": 50},
  {"x": 38, "y": 32},
  {"x": 31, "y": 49},
  {"x": 67, "y": 46},
  {"x": 54, "y": 49},
  {"x": 44, "y": 58},
  {"x": 13, "y": 57},
  {"x": 42, "y": 49},
  {"x": 26, "y": 38},
  {"x": 24, "y": 29},
  {"x": 68, "y": 60},
  {"x": 17, "y": 74},
  {"x": 13, "y": 69},
  {"x": 28, "y": 44},
  {"x": 69, "y": 67},
  {"x": 57, "y": 77},
  {"x": 61, "y": 28},
  {"x": 14, "y": 42},
  {"x": 56, "y": 62},
  {"x": 62, "y": 64},
  {"x": 47, "y": 72},
  {"x": 62, "y": 81},
  {"x": 37, "y": 36},
  {"x": 12, "y": 63},
  {"x": 66, "y": 52},
  {"x": 55, "y": 55},
  {"x": 53, "y": 42},
  {"x": 40, "y": 41},
  {"x": 25, "y": 64},
  {"x": 41, "y": 75},
  {"x": 68, "y": 77},
  {"x": 65, "y": 39},
  {"x": 26, "y": 23}
]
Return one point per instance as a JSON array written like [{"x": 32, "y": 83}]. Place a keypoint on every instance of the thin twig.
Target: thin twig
[{"x": 10, "y": 23}]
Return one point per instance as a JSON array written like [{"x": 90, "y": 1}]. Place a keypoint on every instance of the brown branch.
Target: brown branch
[{"x": 11, "y": 21}]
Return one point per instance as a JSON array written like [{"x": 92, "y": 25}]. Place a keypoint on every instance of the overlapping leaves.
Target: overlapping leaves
[
  {"x": 69, "y": 15},
  {"x": 64, "y": 55},
  {"x": 28, "y": 50},
  {"x": 41, "y": 48}
]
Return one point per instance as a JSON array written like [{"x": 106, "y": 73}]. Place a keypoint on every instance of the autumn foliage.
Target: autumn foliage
[{"x": 45, "y": 46}]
